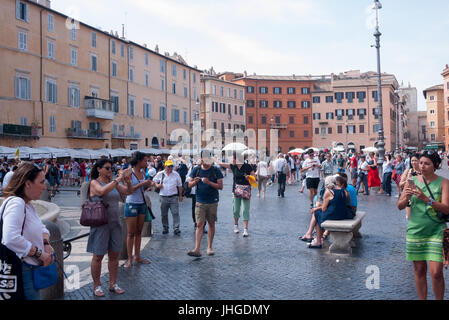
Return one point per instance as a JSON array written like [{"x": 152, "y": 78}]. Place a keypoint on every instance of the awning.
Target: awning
[{"x": 432, "y": 147}]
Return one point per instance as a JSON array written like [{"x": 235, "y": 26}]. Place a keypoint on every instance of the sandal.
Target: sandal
[
  {"x": 128, "y": 264},
  {"x": 116, "y": 289},
  {"x": 142, "y": 261},
  {"x": 98, "y": 291},
  {"x": 303, "y": 238},
  {"x": 194, "y": 254}
]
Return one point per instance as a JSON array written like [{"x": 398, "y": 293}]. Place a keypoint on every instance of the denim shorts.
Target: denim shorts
[{"x": 134, "y": 209}]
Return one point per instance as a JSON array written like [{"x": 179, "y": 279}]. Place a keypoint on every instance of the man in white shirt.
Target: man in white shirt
[
  {"x": 170, "y": 185},
  {"x": 281, "y": 176},
  {"x": 312, "y": 169},
  {"x": 363, "y": 174},
  {"x": 8, "y": 176}
]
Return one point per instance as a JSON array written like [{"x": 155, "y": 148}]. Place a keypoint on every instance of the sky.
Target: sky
[{"x": 284, "y": 37}]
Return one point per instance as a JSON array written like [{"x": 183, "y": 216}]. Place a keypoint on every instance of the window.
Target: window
[
  {"x": 329, "y": 115},
  {"x": 339, "y": 96},
  {"x": 174, "y": 88},
  {"x": 235, "y": 110},
  {"x": 214, "y": 89},
  {"x": 339, "y": 129},
  {"x": 162, "y": 66},
  {"x": 131, "y": 53},
  {"x": 361, "y": 95},
  {"x": 329, "y": 99},
  {"x": 73, "y": 33},
  {"x": 250, "y": 89},
  {"x": 113, "y": 46},
  {"x": 131, "y": 74},
  {"x": 277, "y": 104},
  {"x": 329, "y": 130},
  {"x": 94, "y": 40},
  {"x": 184, "y": 74},
  {"x": 131, "y": 105},
  {"x": 50, "y": 23},
  {"x": 22, "y": 40},
  {"x": 122, "y": 50},
  {"x": 50, "y": 49},
  {"x": 250, "y": 103},
  {"x": 375, "y": 96},
  {"x": 263, "y": 120},
  {"x": 114, "y": 69},
  {"x": 22, "y": 87},
  {"x": 292, "y": 134},
  {"x": 162, "y": 84},
  {"x": 306, "y": 119},
  {"x": 350, "y": 129},
  {"x": 185, "y": 117},
  {"x": 235, "y": 93},
  {"x": 291, "y": 104},
  {"x": 194, "y": 78},
  {"x": 432, "y": 98},
  {"x": 263, "y": 103},
  {"x": 194, "y": 93},
  {"x": 291, "y": 90},
  {"x": 74, "y": 96},
  {"x": 173, "y": 71},
  {"x": 306, "y": 133},
  {"x": 147, "y": 110},
  {"x": 147, "y": 79},
  {"x": 375, "y": 128},
  {"x": 241, "y": 110},
  {"x": 21, "y": 10},
  {"x": 74, "y": 57},
  {"x": 376, "y": 113},
  {"x": 305, "y": 90},
  {"x": 350, "y": 113},
  {"x": 291, "y": 119},
  {"x": 52, "y": 124},
  {"x": 229, "y": 92},
  {"x": 305, "y": 104},
  {"x": 114, "y": 99},
  {"x": 432, "y": 137},
  {"x": 222, "y": 91},
  {"x": 147, "y": 59},
  {"x": 250, "y": 119},
  {"x": 277, "y": 90},
  {"x": 185, "y": 92},
  {"x": 432, "y": 111},
  {"x": 93, "y": 62},
  {"x": 323, "y": 131},
  {"x": 432, "y": 124},
  {"x": 162, "y": 112},
  {"x": 278, "y": 119},
  {"x": 317, "y": 130},
  {"x": 23, "y": 121},
  {"x": 263, "y": 90},
  {"x": 51, "y": 92},
  {"x": 241, "y": 95},
  {"x": 316, "y": 100},
  {"x": 316, "y": 116},
  {"x": 350, "y": 96},
  {"x": 196, "y": 116},
  {"x": 361, "y": 128}
]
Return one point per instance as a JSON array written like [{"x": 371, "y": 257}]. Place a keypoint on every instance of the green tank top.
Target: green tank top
[{"x": 424, "y": 222}]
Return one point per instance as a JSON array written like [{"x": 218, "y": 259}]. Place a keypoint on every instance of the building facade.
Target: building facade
[
  {"x": 445, "y": 75},
  {"x": 279, "y": 111},
  {"x": 422, "y": 132},
  {"x": 223, "y": 105},
  {"x": 67, "y": 84},
  {"x": 345, "y": 111},
  {"x": 410, "y": 95},
  {"x": 435, "y": 116}
]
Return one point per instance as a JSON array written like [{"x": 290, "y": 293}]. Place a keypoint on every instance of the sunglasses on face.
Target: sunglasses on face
[{"x": 107, "y": 168}]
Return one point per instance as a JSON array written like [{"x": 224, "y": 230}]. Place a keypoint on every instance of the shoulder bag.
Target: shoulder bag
[
  {"x": 440, "y": 215},
  {"x": 11, "y": 282},
  {"x": 94, "y": 214},
  {"x": 149, "y": 216}
]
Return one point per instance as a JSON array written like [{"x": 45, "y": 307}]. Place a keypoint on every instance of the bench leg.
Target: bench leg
[
  {"x": 356, "y": 231},
  {"x": 341, "y": 242}
]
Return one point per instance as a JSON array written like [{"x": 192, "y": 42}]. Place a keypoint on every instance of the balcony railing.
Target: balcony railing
[
  {"x": 19, "y": 131},
  {"x": 84, "y": 133},
  {"x": 99, "y": 108},
  {"x": 128, "y": 136},
  {"x": 278, "y": 126}
]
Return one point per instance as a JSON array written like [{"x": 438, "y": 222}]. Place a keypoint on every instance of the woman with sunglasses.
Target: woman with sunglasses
[
  {"x": 428, "y": 197},
  {"x": 107, "y": 238}
]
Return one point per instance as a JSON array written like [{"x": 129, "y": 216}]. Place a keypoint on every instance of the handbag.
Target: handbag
[
  {"x": 44, "y": 277},
  {"x": 393, "y": 175},
  {"x": 11, "y": 281},
  {"x": 440, "y": 215},
  {"x": 149, "y": 214},
  {"x": 93, "y": 214},
  {"x": 242, "y": 191}
]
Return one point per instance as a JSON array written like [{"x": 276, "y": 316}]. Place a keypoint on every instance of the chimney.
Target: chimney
[
  {"x": 167, "y": 54},
  {"x": 245, "y": 73},
  {"x": 123, "y": 31},
  {"x": 45, "y": 3},
  {"x": 156, "y": 49},
  {"x": 145, "y": 45}
]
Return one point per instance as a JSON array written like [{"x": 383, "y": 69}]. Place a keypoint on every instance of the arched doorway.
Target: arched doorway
[{"x": 155, "y": 143}]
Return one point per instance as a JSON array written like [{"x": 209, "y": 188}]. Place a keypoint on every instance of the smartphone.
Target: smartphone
[{"x": 411, "y": 183}]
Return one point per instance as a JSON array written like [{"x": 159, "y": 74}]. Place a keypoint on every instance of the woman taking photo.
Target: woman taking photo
[
  {"x": 23, "y": 232},
  {"x": 426, "y": 224},
  {"x": 107, "y": 238},
  {"x": 409, "y": 174},
  {"x": 399, "y": 168},
  {"x": 240, "y": 171},
  {"x": 136, "y": 209}
]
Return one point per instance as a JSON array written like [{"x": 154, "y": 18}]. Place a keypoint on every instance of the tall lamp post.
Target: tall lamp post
[{"x": 381, "y": 142}]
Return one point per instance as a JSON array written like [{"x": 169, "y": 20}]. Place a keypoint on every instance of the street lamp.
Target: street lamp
[{"x": 377, "y": 34}]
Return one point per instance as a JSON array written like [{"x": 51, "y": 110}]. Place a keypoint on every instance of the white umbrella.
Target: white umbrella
[
  {"x": 339, "y": 149},
  {"x": 297, "y": 151},
  {"x": 249, "y": 152},
  {"x": 370, "y": 149},
  {"x": 235, "y": 146},
  {"x": 314, "y": 149}
]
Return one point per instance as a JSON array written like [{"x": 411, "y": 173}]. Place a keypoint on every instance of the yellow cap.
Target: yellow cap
[{"x": 168, "y": 163}]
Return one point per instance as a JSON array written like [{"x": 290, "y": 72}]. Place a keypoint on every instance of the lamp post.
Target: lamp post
[{"x": 381, "y": 141}]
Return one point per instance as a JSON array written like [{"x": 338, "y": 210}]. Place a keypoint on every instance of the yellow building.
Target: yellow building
[
  {"x": 67, "y": 84},
  {"x": 435, "y": 116}
]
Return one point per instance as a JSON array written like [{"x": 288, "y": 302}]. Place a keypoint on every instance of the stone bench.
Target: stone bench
[{"x": 343, "y": 233}]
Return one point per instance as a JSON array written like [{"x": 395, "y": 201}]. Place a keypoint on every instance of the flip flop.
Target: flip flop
[
  {"x": 116, "y": 289},
  {"x": 142, "y": 261},
  {"x": 194, "y": 254},
  {"x": 320, "y": 246},
  {"x": 98, "y": 291},
  {"x": 306, "y": 239}
]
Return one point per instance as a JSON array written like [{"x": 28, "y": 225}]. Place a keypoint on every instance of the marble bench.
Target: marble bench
[{"x": 343, "y": 233}]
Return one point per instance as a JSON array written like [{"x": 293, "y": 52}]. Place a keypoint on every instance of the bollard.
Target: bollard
[{"x": 56, "y": 291}]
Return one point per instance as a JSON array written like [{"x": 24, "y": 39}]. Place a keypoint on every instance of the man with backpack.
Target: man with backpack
[
  {"x": 208, "y": 179},
  {"x": 282, "y": 170}
]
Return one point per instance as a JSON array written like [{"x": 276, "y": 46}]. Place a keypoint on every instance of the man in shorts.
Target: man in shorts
[
  {"x": 208, "y": 179},
  {"x": 312, "y": 169}
]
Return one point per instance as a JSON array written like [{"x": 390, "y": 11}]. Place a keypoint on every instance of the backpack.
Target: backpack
[{"x": 285, "y": 168}]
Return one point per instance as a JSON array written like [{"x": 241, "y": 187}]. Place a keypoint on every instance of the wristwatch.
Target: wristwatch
[
  {"x": 431, "y": 201},
  {"x": 38, "y": 253}
]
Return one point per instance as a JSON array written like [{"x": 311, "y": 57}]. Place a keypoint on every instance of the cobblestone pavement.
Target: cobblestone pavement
[{"x": 270, "y": 264}]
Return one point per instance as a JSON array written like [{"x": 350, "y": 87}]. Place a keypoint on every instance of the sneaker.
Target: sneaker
[
  {"x": 177, "y": 232},
  {"x": 236, "y": 228},
  {"x": 245, "y": 232},
  {"x": 165, "y": 231}
]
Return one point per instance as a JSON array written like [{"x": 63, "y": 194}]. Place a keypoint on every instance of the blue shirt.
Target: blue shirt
[
  {"x": 353, "y": 193},
  {"x": 205, "y": 193}
]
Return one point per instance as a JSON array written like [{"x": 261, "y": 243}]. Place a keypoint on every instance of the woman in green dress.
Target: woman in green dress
[{"x": 425, "y": 228}]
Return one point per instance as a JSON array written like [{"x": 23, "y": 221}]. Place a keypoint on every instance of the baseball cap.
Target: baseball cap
[{"x": 168, "y": 163}]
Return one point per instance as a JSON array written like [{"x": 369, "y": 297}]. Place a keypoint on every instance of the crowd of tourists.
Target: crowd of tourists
[{"x": 332, "y": 180}]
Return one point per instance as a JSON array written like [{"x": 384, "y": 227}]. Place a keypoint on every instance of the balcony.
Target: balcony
[
  {"x": 278, "y": 126},
  {"x": 99, "y": 108},
  {"x": 130, "y": 136},
  {"x": 76, "y": 133},
  {"x": 19, "y": 131}
]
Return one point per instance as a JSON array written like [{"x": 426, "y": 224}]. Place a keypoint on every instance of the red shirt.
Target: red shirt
[{"x": 354, "y": 162}]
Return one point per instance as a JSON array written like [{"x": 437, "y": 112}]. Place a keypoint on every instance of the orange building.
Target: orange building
[
  {"x": 445, "y": 75},
  {"x": 280, "y": 103}
]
